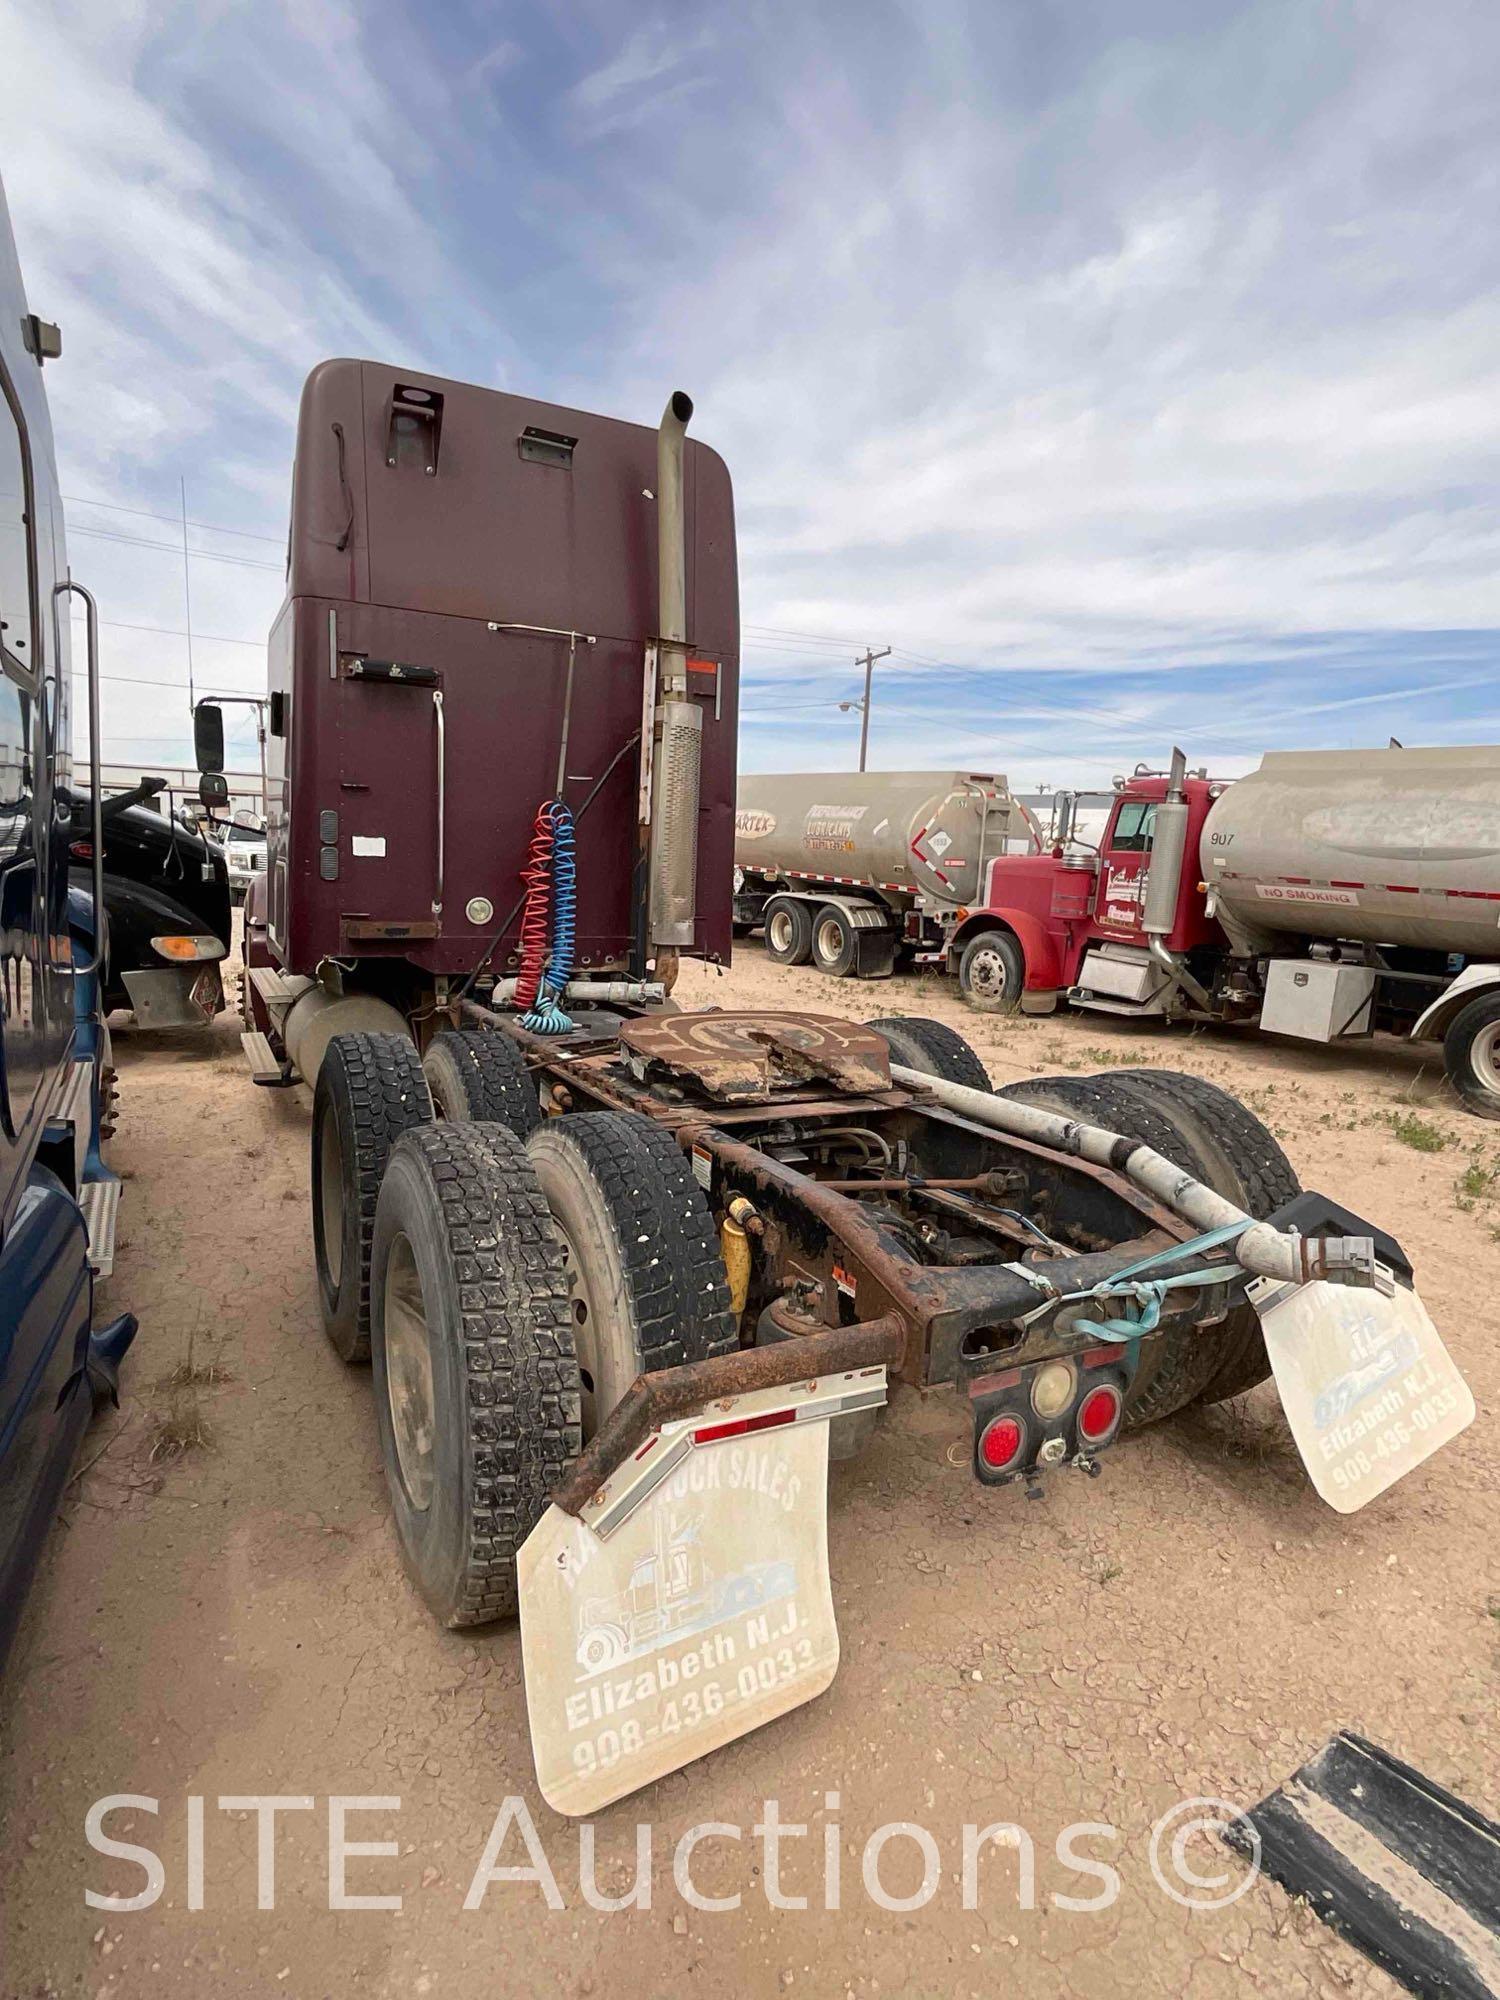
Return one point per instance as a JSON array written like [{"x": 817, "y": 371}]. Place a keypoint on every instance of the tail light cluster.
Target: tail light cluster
[{"x": 1053, "y": 1413}]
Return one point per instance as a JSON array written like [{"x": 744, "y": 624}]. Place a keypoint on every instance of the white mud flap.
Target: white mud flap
[
  {"x": 1368, "y": 1387},
  {"x": 691, "y": 1604}
]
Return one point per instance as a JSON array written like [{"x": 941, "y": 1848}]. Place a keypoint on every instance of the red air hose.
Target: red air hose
[{"x": 536, "y": 915}]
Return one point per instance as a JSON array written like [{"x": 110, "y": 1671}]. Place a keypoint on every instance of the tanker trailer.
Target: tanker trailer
[
  {"x": 1365, "y": 886},
  {"x": 849, "y": 870}
]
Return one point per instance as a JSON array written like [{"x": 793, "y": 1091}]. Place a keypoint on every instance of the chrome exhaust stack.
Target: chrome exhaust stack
[
  {"x": 677, "y": 723},
  {"x": 1164, "y": 880}
]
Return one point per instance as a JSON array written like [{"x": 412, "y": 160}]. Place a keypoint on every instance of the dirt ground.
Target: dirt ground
[{"x": 233, "y": 1621}]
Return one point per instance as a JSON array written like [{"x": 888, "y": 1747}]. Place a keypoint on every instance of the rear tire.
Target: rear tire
[
  {"x": 479, "y": 1076},
  {"x": 648, "y": 1284},
  {"x": 835, "y": 942},
  {"x": 788, "y": 931},
  {"x": 1471, "y": 1054},
  {"x": 932, "y": 1047},
  {"x": 992, "y": 972},
  {"x": 370, "y": 1090},
  {"x": 1243, "y": 1162},
  {"x": 1213, "y": 1137},
  {"x": 476, "y": 1385}
]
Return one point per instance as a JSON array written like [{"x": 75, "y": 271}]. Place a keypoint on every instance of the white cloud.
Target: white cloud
[{"x": 1030, "y": 345}]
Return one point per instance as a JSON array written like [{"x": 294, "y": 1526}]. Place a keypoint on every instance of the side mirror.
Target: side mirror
[
  {"x": 213, "y": 789},
  {"x": 208, "y": 736}
]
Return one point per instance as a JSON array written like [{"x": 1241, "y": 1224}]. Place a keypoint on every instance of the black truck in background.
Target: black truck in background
[{"x": 167, "y": 904}]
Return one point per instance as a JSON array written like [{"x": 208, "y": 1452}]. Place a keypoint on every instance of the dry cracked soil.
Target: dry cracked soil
[{"x": 231, "y": 1620}]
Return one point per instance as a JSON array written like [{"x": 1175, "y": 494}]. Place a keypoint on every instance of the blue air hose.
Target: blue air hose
[{"x": 545, "y": 1016}]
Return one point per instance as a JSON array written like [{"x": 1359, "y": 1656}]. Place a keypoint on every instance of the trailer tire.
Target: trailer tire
[
  {"x": 1243, "y": 1162},
  {"x": 478, "y": 1076},
  {"x": 1471, "y": 1054},
  {"x": 476, "y": 1384},
  {"x": 370, "y": 1089},
  {"x": 992, "y": 972},
  {"x": 648, "y": 1283},
  {"x": 932, "y": 1047},
  {"x": 788, "y": 930},
  {"x": 835, "y": 942}
]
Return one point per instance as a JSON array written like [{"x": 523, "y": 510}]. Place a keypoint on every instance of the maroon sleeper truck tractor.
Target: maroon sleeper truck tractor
[{"x": 626, "y": 1275}]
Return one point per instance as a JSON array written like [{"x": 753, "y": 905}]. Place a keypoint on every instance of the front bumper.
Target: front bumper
[{"x": 177, "y": 996}]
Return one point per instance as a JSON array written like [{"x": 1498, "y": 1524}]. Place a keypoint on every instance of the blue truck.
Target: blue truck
[{"x": 57, "y": 1197}]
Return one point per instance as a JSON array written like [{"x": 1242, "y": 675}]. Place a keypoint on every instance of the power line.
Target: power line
[
  {"x": 145, "y": 681},
  {"x": 187, "y": 592},
  {"x": 146, "y": 514},
  {"x": 175, "y": 548},
  {"x": 818, "y": 638},
  {"x": 173, "y": 632},
  {"x": 243, "y": 741}
]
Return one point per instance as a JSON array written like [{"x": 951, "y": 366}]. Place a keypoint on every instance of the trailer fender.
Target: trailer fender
[
  {"x": 1433, "y": 1023},
  {"x": 1044, "y": 970},
  {"x": 864, "y": 912}
]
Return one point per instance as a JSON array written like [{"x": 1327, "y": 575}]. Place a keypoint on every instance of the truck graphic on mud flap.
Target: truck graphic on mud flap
[
  {"x": 1349, "y": 1391},
  {"x": 673, "y": 1593}
]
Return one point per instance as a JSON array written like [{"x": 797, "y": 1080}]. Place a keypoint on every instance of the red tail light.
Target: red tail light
[
  {"x": 1099, "y": 1414},
  {"x": 1001, "y": 1443}
]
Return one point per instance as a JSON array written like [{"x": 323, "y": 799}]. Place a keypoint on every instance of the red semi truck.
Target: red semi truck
[
  {"x": 1046, "y": 915},
  {"x": 1327, "y": 895}
]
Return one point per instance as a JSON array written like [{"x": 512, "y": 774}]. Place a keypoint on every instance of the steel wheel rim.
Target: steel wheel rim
[
  {"x": 585, "y": 1312},
  {"x": 830, "y": 939},
  {"x": 1484, "y": 1054},
  {"x": 331, "y": 1199},
  {"x": 779, "y": 931},
  {"x": 987, "y": 974},
  {"x": 408, "y": 1374}
]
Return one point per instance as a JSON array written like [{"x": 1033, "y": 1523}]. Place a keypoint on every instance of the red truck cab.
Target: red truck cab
[{"x": 1070, "y": 920}]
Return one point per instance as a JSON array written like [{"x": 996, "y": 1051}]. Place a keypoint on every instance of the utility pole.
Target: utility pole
[
  {"x": 187, "y": 590},
  {"x": 868, "y": 663}
]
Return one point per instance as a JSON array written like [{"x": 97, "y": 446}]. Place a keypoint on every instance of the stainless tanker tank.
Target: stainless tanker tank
[
  {"x": 1398, "y": 847},
  {"x": 913, "y": 832}
]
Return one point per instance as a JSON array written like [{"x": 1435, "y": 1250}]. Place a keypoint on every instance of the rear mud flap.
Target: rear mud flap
[
  {"x": 690, "y": 1602},
  {"x": 1368, "y": 1387}
]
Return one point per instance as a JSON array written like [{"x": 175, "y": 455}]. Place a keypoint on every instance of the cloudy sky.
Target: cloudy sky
[{"x": 1131, "y": 367}]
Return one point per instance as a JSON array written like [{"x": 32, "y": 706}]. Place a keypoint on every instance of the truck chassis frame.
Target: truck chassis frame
[{"x": 837, "y": 1273}]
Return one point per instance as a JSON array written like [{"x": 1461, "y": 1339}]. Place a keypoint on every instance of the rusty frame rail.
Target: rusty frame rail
[
  {"x": 656, "y": 1399},
  {"x": 936, "y": 1304}
]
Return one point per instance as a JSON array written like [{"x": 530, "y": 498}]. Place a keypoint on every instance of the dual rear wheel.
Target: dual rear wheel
[
  {"x": 798, "y": 932},
  {"x": 507, "y": 1288},
  {"x": 509, "y": 1284},
  {"x": 1191, "y": 1122},
  {"x": 1211, "y": 1134}
]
